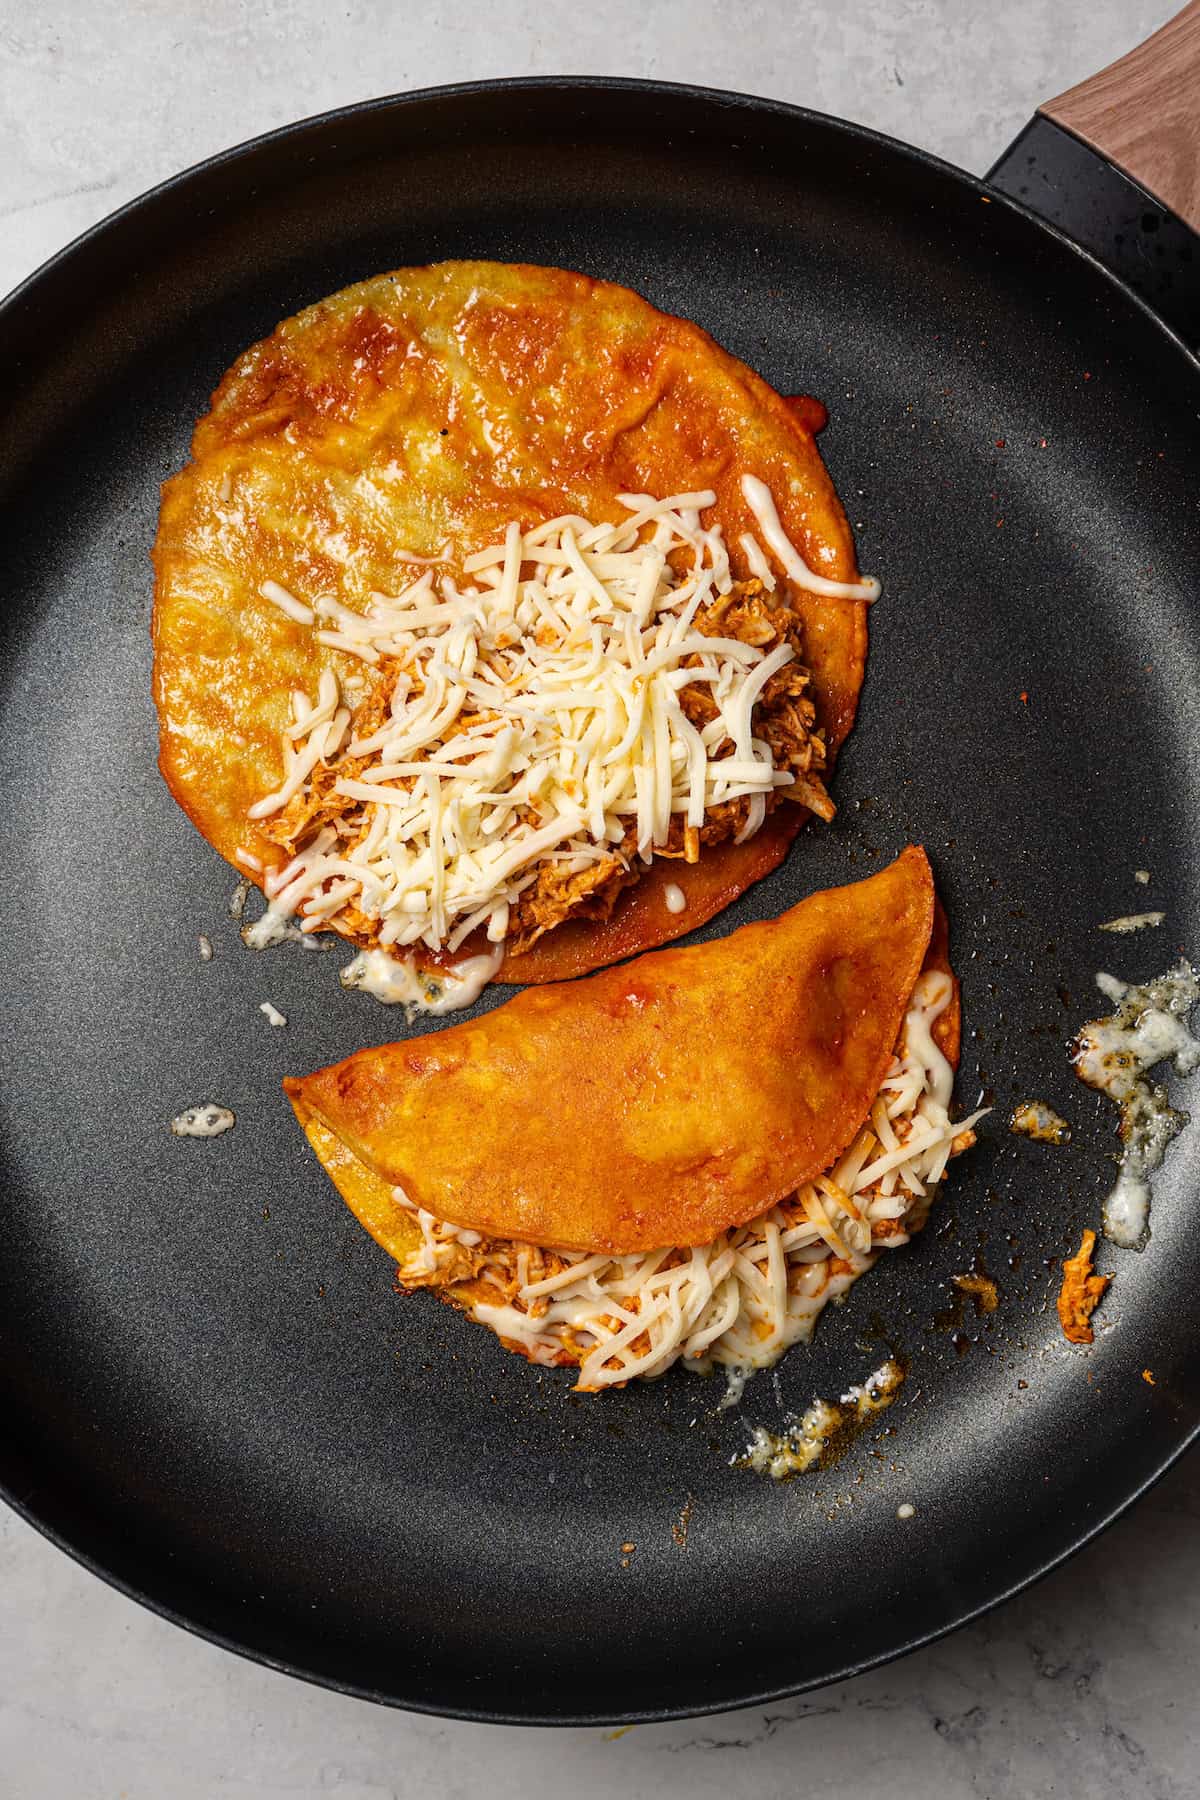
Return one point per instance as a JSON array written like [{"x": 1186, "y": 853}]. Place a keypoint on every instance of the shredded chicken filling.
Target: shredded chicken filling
[
  {"x": 525, "y": 746},
  {"x": 743, "y": 1299}
]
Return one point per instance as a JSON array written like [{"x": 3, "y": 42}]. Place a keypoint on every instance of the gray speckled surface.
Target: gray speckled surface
[{"x": 1085, "y": 1686}]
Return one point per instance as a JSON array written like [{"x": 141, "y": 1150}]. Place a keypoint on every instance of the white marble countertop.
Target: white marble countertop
[{"x": 1085, "y": 1687}]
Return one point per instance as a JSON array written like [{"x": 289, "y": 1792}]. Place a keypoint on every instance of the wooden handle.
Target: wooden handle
[{"x": 1143, "y": 114}]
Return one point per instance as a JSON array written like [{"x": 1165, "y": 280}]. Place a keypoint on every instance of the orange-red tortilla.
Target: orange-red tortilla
[
  {"x": 642, "y": 920},
  {"x": 421, "y": 411},
  {"x": 658, "y": 1103},
  {"x": 394, "y": 1228},
  {"x": 1081, "y": 1293}
]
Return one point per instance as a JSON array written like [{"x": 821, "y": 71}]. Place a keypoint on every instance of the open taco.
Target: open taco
[{"x": 501, "y": 616}]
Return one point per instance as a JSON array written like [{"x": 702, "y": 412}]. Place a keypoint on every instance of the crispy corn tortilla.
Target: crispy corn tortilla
[
  {"x": 659, "y": 1103},
  {"x": 369, "y": 1196},
  {"x": 423, "y": 410}
]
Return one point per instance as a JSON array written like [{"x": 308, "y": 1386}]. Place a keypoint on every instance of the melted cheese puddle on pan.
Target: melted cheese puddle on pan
[
  {"x": 434, "y": 990},
  {"x": 806, "y": 1440},
  {"x": 1114, "y": 1054}
]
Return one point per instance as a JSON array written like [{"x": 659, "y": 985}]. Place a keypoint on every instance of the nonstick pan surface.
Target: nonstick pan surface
[{"x": 212, "y": 1393}]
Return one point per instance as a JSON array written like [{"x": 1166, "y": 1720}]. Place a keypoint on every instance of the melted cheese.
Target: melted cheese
[
  {"x": 275, "y": 926},
  {"x": 205, "y": 1121},
  {"x": 1114, "y": 1054},
  {"x": 804, "y": 1441},
  {"x": 534, "y": 719},
  {"x": 398, "y": 981},
  {"x": 1038, "y": 1120},
  {"x": 740, "y": 1301},
  {"x": 796, "y": 1449}
]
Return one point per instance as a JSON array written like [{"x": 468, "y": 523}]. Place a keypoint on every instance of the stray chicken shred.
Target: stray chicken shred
[{"x": 1081, "y": 1293}]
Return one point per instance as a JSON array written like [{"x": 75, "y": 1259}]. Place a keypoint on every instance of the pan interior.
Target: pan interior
[{"x": 211, "y": 1389}]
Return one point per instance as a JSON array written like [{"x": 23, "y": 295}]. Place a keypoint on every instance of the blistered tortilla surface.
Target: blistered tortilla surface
[
  {"x": 421, "y": 411},
  {"x": 656, "y": 1103}
]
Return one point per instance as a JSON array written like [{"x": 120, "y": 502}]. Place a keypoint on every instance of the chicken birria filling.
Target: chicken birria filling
[
  {"x": 743, "y": 1299},
  {"x": 512, "y": 748}
]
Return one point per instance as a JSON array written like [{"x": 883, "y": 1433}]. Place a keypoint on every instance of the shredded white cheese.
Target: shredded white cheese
[
  {"x": 759, "y": 499},
  {"x": 287, "y": 603},
  {"x": 740, "y": 1301},
  {"x": 534, "y": 720},
  {"x": 1133, "y": 922},
  {"x": 272, "y": 1014},
  {"x": 756, "y": 561}
]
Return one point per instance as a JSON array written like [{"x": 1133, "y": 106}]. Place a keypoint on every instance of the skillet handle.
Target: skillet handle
[{"x": 1143, "y": 114}]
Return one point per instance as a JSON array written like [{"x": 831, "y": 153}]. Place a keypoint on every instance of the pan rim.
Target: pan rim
[
  {"x": 734, "y": 102},
  {"x": 575, "y": 1721},
  {"x": 731, "y": 98}
]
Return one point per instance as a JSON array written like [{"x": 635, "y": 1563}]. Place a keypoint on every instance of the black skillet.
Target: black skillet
[{"x": 211, "y": 1393}]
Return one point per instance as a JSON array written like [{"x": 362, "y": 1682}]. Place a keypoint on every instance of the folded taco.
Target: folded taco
[{"x": 681, "y": 1158}]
